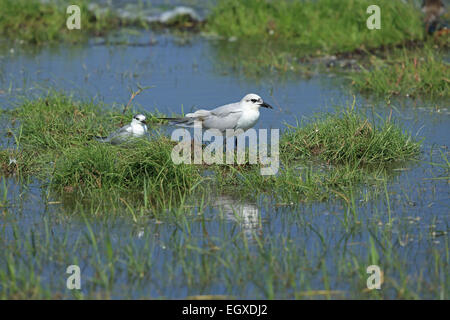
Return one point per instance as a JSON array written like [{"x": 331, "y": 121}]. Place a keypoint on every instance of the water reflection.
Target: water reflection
[{"x": 245, "y": 214}]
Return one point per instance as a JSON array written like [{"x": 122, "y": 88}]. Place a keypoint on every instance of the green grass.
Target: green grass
[
  {"x": 36, "y": 22},
  {"x": 54, "y": 142},
  {"x": 282, "y": 36},
  {"x": 348, "y": 138},
  {"x": 302, "y": 183},
  {"x": 413, "y": 73},
  {"x": 274, "y": 35},
  {"x": 328, "y": 156},
  {"x": 167, "y": 249},
  {"x": 323, "y": 26},
  {"x": 147, "y": 165},
  {"x": 315, "y": 27}
]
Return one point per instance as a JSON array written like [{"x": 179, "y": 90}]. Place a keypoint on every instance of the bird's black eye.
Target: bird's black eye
[{"x": 254, "y": 100}]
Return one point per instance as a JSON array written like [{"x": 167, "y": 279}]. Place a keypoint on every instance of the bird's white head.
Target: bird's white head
[
  {"x": 139, "y": 119},
  {"x": 252, "y": 100}
]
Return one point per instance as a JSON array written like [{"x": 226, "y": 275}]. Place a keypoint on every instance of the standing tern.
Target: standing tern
[
  {"x": 239, "y": 115},
  {"x": 136, "y": 129}
]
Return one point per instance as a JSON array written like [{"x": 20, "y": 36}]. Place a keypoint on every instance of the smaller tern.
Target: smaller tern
[{"x": 136, "y": 129}]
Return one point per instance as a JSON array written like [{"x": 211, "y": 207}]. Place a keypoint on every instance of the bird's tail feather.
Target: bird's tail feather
[
  {"x": 182, "y": 122},
  {"x": 101, "y": 139}
]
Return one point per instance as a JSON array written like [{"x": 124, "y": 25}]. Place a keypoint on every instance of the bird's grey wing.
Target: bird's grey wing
[
  {"x": 225, "y": 110},
  {"x": 117, "y": 136},
  {"x": 222, "y": 118},
  {"x": 222, "y": 123},
  {"x": 124, "y": 131}
]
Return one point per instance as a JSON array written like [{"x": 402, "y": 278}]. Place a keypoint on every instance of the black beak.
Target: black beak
[
  {"x": 266, "y": 105},
  {"x": 144, "y": 121}
]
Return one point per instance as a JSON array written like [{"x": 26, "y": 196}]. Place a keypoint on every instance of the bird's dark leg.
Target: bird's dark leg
[{"x": 229, "y": 147}]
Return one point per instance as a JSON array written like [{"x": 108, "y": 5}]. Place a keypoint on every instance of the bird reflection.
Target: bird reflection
[{"x": 245, "y": 214}]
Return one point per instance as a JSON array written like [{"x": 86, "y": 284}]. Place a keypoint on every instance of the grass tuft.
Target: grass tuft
[
  {"x": 138, "y": 166},
  {"x": 348, "y": 138}
]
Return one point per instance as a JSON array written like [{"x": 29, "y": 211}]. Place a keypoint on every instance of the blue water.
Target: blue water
[{"x": 186, "y": 74}]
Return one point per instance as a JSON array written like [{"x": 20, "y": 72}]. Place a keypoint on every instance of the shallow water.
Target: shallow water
[{"x": 311, "y": 242}]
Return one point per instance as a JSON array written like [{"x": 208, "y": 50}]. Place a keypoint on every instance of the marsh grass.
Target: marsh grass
[
  {"x": 193, "y": 257},
  {"x": 40, "y": 22},
  {"x": 13, "y": 161},
  {"x": 413, "y": 73},
  {"x": 143, "y": 165},
  {"x": 285, "y": 36},
  {"x": 323, "y": 26},
  {"x": 317, "y": 27},
  {"x": 348, "y": 138},
  {"x": 53, "y": 137},
  {"x": 327, "y": 156},
  {"x": 182, "y": 250},
  {"x": 303, "y": 181}
]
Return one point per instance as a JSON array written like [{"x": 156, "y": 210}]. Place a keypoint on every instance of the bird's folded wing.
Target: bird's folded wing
[
  {"x": 225, "y": 110},
  {"x": 221, "y": 118},
  {"x": 121, "y": 131},
  {"x": 223, "y": 121}
]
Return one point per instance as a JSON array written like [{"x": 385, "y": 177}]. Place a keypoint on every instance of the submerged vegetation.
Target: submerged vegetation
[{"x": 54, "y": 139}]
